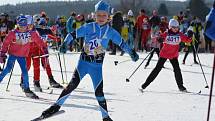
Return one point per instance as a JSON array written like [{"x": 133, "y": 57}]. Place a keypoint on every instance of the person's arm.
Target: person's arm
[
  {"x": 37, "y": 39},
  {"x": 69, "y": 24},
  {"x": 117, "y": 39},
  {"x": 187, "y": 38},
  {"x": 70, "y": 37},
  {"x": 8, "y": 39}
]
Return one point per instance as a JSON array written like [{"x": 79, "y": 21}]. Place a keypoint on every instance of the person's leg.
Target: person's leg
[
  {"x": 186, "y": 53},
  {"x": 23, "y": 66},
  {"x": 178, "y": 75},
  {"x": 36, "y": 65},
  {"x": 9, "y": 66},
  {"x": 78, "y": 74},
  {"x": 157, "y": 50},
  {"x": 154, "y": 72},
  {"x": 150, "y": 57},
  {"x": 194, "y": 47},
  {"x": 46, "y": 65},
  {"x": 28, "y": 64},
  {"x": 96, "y": 76}
]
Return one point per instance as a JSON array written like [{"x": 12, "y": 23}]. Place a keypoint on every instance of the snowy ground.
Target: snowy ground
[{"x": 160, "y": 102}]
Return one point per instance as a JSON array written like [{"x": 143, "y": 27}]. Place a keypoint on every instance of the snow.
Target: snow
[{"x": 161, "y": 102}]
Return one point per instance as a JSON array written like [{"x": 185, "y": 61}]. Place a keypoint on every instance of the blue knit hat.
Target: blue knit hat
[
  {"x": 102, "y": 6},
  {"x": 21, "y": 20}
]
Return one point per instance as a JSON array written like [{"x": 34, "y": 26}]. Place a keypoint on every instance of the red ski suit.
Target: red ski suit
[
  {"x": 21, "y": 48},
  {"x": 36, "y": 51},
  {"x": 171, "y": 44}
]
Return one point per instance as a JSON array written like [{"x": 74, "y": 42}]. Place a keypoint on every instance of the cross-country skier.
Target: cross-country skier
[
  {"x": 96, "y": 37},
  {"x": 170, "y": 48},
  {"x": 35, "y": 50},
  {"x": 47, "y": 35},
  {"x": 17, "y": 45}
]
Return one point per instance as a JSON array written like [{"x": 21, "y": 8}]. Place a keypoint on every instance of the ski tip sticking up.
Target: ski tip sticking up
[{"x": 42, "y": 117}]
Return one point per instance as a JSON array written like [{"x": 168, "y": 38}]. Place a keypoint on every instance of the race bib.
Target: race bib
[
  {"x": 173, "y": 40},
  {"x": 93, "y": 47},
  {"x": 23, "y": 38}
]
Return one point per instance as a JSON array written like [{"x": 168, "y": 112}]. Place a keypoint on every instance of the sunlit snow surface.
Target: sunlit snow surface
[{"x": 161, "y": 100}]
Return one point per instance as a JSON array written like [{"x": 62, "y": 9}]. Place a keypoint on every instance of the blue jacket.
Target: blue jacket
[
  {"x": 97, "y": 37},
  {"x": 210, "y": 25}
]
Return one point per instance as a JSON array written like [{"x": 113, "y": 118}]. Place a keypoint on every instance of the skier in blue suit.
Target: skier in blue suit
[
  {"x": 96, "y": 37},
  {"x": 210, "y": 24}
]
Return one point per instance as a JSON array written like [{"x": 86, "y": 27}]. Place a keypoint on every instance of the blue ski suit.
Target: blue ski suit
[{"x": 96, "y": 39}]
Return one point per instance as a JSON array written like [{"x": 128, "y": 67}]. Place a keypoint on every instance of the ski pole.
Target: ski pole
[
  {"x": 117, "y": 62},
  {"x": 201, "y": 67},
  {"x": 128, "y": 79},
  {"x": 211, "y": 90},
  {"x": 10, "y": 78},
  {"x": 65, "y": 70},
  {"x": 61, "y": 70}
]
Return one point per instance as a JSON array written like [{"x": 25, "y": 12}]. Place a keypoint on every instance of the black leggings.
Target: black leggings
[
  {"x": 159, "y": 66},
  {"x": 157, "y": 50},
  {"x": 73, "y": 84}
]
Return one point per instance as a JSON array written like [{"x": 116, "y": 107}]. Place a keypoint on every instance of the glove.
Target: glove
[
  {"x": 134, "y": 56},
  {"x": 3, "y": 57},
  {"x": 63, "y": 48}
]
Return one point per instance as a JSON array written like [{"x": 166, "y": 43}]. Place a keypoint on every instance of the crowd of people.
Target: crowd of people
[{"x": 29, "y": 38}]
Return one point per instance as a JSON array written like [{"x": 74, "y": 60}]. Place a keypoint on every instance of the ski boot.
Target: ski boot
[
  {"x": 107, "y": 119},
  {"x": 182, "y": 88},
  {"x": 37, "y": 87},
  {"x": 30, "y": 94},
  {"x": 53, "y": 83},
  {"x": 50, "y": 111}
]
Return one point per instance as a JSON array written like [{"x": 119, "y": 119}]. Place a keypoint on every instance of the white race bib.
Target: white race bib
[
  {"x": 23, "y": 38},
  {"x": 93, "y": 47}
]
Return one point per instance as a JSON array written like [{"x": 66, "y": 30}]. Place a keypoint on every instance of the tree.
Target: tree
[
  {"x": 198, "y": 8},
  {"x": 162, "y": 10}
]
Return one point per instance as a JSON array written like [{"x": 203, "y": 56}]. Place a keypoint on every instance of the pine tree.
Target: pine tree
[{"x": 198, "y": 8}]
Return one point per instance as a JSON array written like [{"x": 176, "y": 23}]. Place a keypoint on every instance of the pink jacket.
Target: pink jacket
[{"x": 18, "y": 43}]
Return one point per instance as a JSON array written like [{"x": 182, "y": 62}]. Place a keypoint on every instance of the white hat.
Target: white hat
[
  {"x": 130, "y": 13},
  {"x": 173, "y": 23}
]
